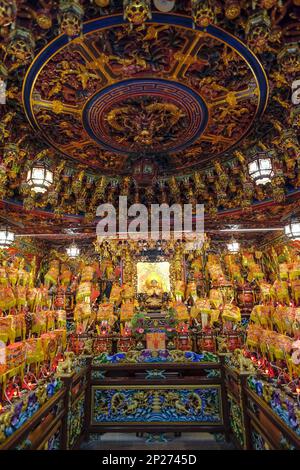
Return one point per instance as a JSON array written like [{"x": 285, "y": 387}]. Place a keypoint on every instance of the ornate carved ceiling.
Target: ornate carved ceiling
[{"x": 198, "y": 103}]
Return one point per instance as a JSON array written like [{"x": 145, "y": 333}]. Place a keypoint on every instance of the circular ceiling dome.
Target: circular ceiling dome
[{"x": 115, "y": 93}]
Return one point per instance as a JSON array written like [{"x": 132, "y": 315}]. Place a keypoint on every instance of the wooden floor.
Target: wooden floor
[{"x": 129, "y": 441}]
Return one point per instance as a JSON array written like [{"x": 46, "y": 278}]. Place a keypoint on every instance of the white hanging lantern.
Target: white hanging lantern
[
  {"x": 73, "y": 251},
  {"x": 39, "y": 178},
  {"x": 292, "y": 229},
  {"x": 233, "y": 246},
  {"x": 261, "y": 169},
  {"x": 7, "y": 237}
]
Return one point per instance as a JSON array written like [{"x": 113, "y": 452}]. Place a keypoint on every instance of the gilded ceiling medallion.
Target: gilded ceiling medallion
[{"x": 115, "y": 92}]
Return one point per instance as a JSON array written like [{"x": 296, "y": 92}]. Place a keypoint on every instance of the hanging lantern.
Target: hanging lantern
[
  {"x": 8, "y": 11},
  {"x": 73, "y": 251},
  {"x": 202, "y": 13},
  {"x": 43, "y": 18},
  {"x": 292, "y": 229},
  {"x": 39, "y": 178},
  {"x": 70, "y": 17},
  {"x": 233, "y": 246},
  {"x": 232, "y": 9},
  {"x": 137, "y": 11},
  {"x": 7, "y": 237},
  {"x": 260, "y": 168}
]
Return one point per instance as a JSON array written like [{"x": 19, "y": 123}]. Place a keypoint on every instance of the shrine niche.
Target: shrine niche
[{"x": 149, "y": 273}]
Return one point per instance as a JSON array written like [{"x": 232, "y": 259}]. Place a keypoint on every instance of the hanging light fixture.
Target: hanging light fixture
[
  {"x": 233, "y": 246},
  {"x": 73, "y": 251},
  {"x": 7, "y": 237},
  {"x": 260, "y": 168},
  {"x": 39, "y": 178},
  {"x": 21, "y": 47},
  {"x": 292, "y": 229}
]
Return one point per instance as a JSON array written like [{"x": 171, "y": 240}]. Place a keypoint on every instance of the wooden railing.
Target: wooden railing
[
  {"x": 60, "y": 421},
  {"x": 254, "y": 425},
  {"x": 155, "y": 397}
]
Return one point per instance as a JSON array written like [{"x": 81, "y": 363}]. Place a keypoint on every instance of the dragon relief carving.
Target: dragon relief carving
[{"x": 143, "y": 122}]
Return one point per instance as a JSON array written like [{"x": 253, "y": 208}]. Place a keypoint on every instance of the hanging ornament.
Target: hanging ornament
[
  {"x": 295, "y": 117},
  {"x": 20, "y": 48},
  {"x": 257, "y": 31},
  {"x": 144, "y": 172},
  {"x": 43, "y": 18},
  {"x": 202, "y": 13},
  {"x": 7, "y": 237},
  {"x": 268, "y": 4},
  {"x": 278, "y": 181},
  {"x": 39, "y": 177},
  {"x": 29, "y": 201},
  {"x": 3, "y": 82},
  {"x": 52, "y": 197},
  {"x": 164, "y": 5},
  {"x": 289, "y": 59},
  {"x": 137, "y": 11},
  {"x": 70, "y": 17},
  {"x": 8, "y": 12},
  {"x": 102, "y": 3},
  {"x": 260, "y": 168},
  {"x": 174, "y": 188},
  {"x": 292, "y": 229},
  {"x": 10, "y": 153},
  {"x": 233, "y": 246}
]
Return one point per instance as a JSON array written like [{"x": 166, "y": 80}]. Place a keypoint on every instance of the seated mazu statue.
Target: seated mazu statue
[{"x": 154, "y": 295}]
